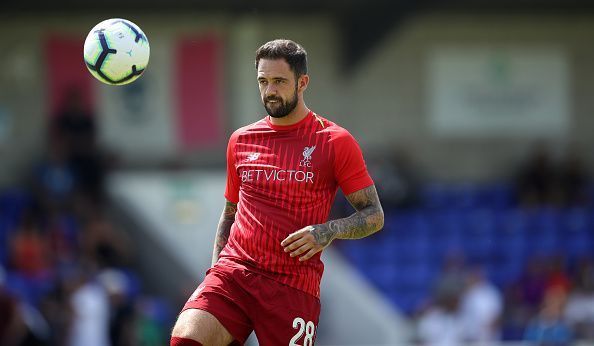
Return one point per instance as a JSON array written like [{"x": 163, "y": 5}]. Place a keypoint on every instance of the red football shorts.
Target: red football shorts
[{"x": 244, "y": 301}]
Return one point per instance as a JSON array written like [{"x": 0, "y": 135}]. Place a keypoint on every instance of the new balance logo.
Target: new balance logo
[{"x": 253, "y": 157}]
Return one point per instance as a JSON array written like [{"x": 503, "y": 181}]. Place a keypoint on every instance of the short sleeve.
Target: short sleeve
[
  {"x": 232, "y": 187},
  {"x": 349, "y": 166}
]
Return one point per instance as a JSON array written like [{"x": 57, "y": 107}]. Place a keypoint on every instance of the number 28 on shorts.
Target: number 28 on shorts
[{"x": 305, "y": 332}]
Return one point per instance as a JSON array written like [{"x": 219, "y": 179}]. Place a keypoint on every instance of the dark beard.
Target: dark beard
[{"x": 283, "y": 109}]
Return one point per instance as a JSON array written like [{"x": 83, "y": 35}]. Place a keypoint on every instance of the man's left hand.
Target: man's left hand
[{"x": 305, "y": 242}]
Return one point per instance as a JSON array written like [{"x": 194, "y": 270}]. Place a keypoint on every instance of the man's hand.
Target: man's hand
[{"x": 308, "y": 241}]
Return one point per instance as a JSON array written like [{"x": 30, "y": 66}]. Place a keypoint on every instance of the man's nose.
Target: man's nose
[{"x": 270, "y": 91}]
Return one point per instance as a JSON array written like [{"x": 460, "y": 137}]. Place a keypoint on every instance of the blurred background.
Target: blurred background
[{"x": 475, "y": 118}]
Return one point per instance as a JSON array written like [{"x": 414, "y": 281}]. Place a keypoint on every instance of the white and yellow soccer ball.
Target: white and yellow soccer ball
[{"x": 116, "y": 51}]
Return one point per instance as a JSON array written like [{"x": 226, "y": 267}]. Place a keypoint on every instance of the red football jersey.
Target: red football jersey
[{"x": 284, "y": 178}]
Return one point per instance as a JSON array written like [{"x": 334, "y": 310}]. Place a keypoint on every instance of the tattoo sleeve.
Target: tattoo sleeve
[
  {"x": 223, "y": 230},
  {"x": 368, "y": 219}
]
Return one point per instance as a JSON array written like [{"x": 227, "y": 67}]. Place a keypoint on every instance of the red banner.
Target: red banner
[{"x": 198, "y": 98}]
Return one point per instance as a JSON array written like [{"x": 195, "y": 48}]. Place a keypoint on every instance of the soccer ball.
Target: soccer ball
[{"x": 116, "y": 51}]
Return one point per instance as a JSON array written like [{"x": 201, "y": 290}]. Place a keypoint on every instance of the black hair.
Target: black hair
[{"x": 292, "y": 52}]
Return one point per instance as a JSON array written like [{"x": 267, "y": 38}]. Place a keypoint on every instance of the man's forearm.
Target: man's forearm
[
  {"x": 223, "y": 230},
  {"x": 368, "y": 219},
  {"x": 359, "y": 225},
  {"x": 221, "y": 238}
]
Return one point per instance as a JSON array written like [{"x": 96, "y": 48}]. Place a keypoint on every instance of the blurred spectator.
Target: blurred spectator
[
  {"x": 451, "y": 283},
  {"x": 74, "y": 128},
  {"x": 557, "y": 277},
  {"x": 29, "y": 251},
  {"x": 572, "y": 181},
  {"x": 535, "y": 180},
  {"x": 441, "y": 324},
  {"x": 549, "y": 328},
  {"x": 481, "y": 309},
  {"x": 103, "y": 243},
  {"x": 121, "y": 305},
  {"x": 90, "y": 311},
  {"x": 579, "y": 311},
  {"x": 74, "y": 125},
  {"x": 544, "y": 182},
  {"x": 395, "y": 179}
]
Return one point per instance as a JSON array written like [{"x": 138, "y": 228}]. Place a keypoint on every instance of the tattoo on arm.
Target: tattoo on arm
[
  {"x": 368, "y": 219},
  {"x": 223, "y": 230}
]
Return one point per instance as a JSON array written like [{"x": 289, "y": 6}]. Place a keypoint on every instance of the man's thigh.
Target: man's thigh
[{"x": 216, "y": 311}]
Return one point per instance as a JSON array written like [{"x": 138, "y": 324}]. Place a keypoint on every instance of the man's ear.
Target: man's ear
[{"x": 302, "y": 82}]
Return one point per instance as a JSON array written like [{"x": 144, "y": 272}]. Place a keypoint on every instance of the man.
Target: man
[{"x": 282, "y": 175}]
